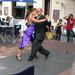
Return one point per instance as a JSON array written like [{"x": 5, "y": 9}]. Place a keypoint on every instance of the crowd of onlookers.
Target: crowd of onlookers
[{"x": 55, "y": 32}]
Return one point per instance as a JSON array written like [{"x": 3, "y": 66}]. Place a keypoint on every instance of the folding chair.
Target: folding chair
[
  {"x": 1, "y": 36},
  {"x": 28, "y": 71},
  {"x": 17, "y": 30},
  {"x": 9, "y": 35},
  {"x": 14, "y": 32}
]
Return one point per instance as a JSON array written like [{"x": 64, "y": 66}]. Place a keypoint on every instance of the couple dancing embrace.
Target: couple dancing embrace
[{"x": 37, "y": 24}]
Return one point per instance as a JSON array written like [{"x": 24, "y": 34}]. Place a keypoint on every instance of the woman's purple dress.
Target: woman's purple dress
[{"x": 27, "y": 34}]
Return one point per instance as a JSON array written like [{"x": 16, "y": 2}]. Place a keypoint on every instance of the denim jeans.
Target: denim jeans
[
  {"x": 58, "y": 37},
  {"x": 69, "y": 36}
]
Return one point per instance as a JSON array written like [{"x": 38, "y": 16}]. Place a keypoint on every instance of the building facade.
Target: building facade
[{"x": 56, "y": 9}]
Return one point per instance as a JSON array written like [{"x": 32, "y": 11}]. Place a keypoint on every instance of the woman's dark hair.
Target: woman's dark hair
[
  {"x": 60, "y": 20},
  {"x": 29, "y": 11}
]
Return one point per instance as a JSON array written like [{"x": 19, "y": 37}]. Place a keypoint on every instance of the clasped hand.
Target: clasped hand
[{"x": 47, "y": 17}]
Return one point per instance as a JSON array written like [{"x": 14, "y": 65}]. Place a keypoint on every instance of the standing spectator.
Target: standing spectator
[
  {"x": 58, "y": 30},
  {"x": 69, "y": 27}
]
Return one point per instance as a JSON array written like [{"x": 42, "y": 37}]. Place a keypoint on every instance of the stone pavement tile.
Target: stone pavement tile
[
  {"x": 11, "y": 49},
  {"x": 66, "y": 72},
  {"x": 59, "y": 46},
  {"x": 55, "y": 63}
]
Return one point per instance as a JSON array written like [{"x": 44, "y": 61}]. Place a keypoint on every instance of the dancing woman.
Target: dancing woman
[{"x": 28, "y": 32}]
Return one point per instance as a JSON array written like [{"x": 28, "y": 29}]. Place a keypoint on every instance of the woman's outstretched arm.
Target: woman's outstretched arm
[{"x": 37, "y": 21}]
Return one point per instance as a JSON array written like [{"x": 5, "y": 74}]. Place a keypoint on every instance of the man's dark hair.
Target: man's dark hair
[
  {"x": 52, "y": 26},
  {"x": 71, "y": 15}
]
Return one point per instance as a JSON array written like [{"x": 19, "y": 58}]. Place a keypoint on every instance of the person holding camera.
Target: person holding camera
[
  {"x": 58, "y": 30},
  {"x": 69, "y": 27}
]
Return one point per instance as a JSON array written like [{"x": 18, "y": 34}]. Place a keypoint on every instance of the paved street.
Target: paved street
[{"x": 59, "y": 62}]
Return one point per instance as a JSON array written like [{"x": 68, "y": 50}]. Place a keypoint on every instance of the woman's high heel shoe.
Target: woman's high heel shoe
[{"x": 19, "y": 58}]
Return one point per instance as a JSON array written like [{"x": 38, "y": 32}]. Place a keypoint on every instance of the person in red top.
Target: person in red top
[{"x": 69, "y": 27}]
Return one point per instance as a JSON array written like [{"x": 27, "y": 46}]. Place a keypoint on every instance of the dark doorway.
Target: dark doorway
[
  {"x": 47, "y": 7},
  {"x": 30, "y": 5},
  {"x": 13, "y": 8}
]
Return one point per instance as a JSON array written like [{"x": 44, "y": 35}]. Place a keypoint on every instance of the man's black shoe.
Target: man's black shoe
[
  {"x": 47, "y": 55},
  {"x": 30, "y": 59}
]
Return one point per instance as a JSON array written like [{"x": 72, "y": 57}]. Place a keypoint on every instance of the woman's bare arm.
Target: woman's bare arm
[
  {"x": 61, "y": 24},
  {"x": 37, "y": 21},
  {"x": 56, "y": 26}
]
